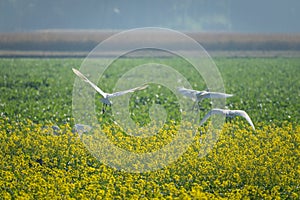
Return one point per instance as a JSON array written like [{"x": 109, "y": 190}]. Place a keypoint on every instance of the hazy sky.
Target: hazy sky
[{"x": 186, "y": 15}]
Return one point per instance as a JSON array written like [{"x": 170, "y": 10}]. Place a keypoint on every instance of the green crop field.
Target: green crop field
[{"x": 38, "y": 162}]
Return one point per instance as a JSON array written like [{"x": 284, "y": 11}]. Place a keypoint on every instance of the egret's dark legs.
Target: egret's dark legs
[
  {"x": 104, "y": 108},
  {"x": 228, "y": 119}
]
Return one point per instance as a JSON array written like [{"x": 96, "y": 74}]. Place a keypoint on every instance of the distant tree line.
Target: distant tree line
[{"x": 74, "y": 41}]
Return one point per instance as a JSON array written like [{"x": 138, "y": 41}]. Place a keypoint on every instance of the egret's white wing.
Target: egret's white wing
[
  {"x": 219, "y": 95},
  {"x": 79, "y": 74},
  {"x": 188, "y": 92},
  {"x": 246, "y": 116},
  {"x": 212, "y": 112},
  {"x": 214, "y": 95},
  {"x": 126, "y": 91}
]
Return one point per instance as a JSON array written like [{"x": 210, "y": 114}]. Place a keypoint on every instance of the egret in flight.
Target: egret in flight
[
  {"x": 198, "y": 96},
  {"x": 106, "y": 96},
  {"x": 228, "y": 113}
]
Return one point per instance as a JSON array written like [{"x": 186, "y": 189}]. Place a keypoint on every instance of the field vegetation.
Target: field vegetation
[{"x": 40, "y": 162}]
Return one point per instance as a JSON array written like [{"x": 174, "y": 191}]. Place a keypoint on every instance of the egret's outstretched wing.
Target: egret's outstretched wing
[
  {"x": 188, "y": 92},
  {"x": 212, "y": 112},
  {"x": 215, "y": 95},
  {"x": 126, "y": 91},
  {"x": 246, "y": 116},
  {"x": 79, "y": 74}
]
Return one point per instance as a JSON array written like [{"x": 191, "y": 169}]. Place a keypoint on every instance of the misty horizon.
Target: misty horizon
[{"x": 194, "y": 15}]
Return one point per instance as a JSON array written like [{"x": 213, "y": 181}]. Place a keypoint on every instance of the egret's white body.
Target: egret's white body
[
  {"x": 228, "y": 113},
  {"x": 198, "y": 96},
  {"x": 106, "y": 96}
]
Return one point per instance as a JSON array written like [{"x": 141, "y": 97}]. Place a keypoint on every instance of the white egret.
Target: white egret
[
  {"x": 198, "y": 96},
  {"x": 106, "y": 96},
  {"x": 82, "y": 128},
  {"x": 228, "y": 113}
]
